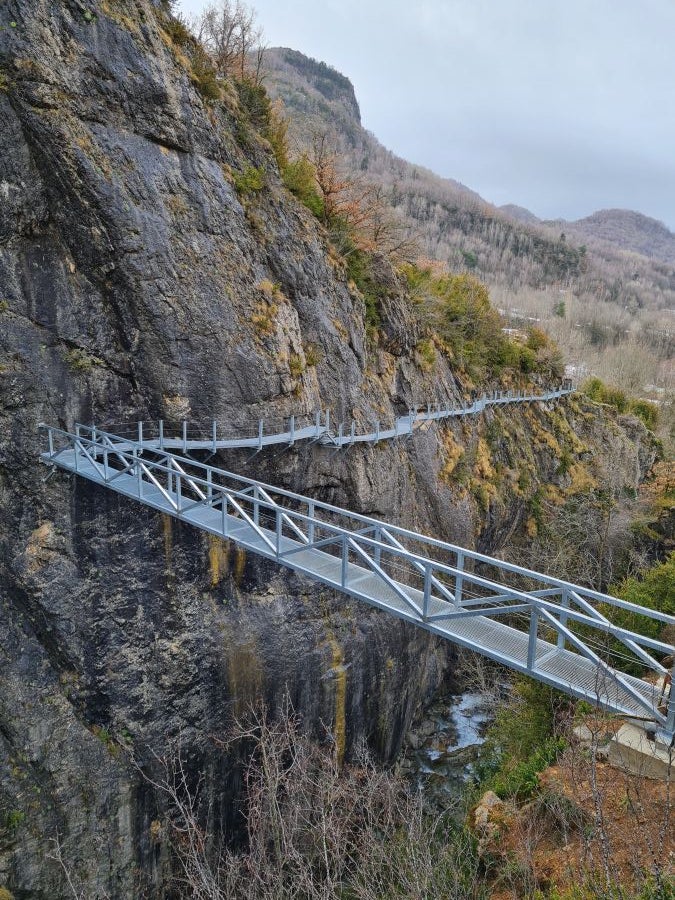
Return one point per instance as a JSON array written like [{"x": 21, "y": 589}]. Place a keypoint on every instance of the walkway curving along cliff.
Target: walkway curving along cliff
[
  {"x": 317, "y": 427},
  {"x": 523, "y": 619}
]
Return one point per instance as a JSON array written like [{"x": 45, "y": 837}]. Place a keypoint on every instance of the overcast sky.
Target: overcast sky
[{"x": 562, "y": 106}]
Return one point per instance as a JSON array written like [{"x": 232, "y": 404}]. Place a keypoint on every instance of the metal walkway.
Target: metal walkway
[
  {"x": 318, "y": 428},
  {"x": 547, "y": 628}
]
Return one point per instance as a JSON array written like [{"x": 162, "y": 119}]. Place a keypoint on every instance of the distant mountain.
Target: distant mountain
[
  {"x": 313, "y": 93},
  {"x": 520, "y": 214},
  {"x": 627, "y": 230},
  {"x": 318, "y": 98},
  {"x": 509, "y": 248}
]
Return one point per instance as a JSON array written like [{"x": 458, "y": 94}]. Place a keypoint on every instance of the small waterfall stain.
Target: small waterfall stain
[
  {"x": 167, "y": 531},
  {"x": 239, "y": 565},
  {"x": 219, "y": 552},
  {"x": 244, "y": 675},
  {"x": 340, "y": 717}
]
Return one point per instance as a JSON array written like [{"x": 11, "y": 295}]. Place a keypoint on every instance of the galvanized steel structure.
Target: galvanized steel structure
[{"x": 550, "y": 629}]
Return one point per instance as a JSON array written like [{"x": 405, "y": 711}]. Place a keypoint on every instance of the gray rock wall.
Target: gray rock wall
[{"x": 136, "y": 282}]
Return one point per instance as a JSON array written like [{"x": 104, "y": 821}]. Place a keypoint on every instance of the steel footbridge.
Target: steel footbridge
[
  {"x": 318, "y": 428},
  {"x": 554, "y": 631}
]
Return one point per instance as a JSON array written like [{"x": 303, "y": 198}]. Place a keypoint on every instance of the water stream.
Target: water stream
[{"x": 443, "y": 749}]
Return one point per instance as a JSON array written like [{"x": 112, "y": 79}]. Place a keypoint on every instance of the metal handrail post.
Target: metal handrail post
[
  {"x": 310, "y": 524},
  {"x": 565, "y": 602},
  {"x": 459, "y": 580},
  {"x": 345, "y": 560},
  {"x": 279, "y": 524},
  {"x": 184, "y": 437},
  {"x": 427, "y": 593},
  {"x": 214, "y": 432},
  {"x": 532, "y": 639},
  {"x": 260, "y": 433},
  {"x": 670, "y": 714},
  {"x": 223, "y": 522},
  {"x": 161, "y": 434}
]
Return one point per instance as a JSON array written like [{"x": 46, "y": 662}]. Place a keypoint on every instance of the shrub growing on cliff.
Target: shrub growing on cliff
[
  {"x": 600, "y": 392},
  {"x": 314, "y": 829},
  {"x": 457, "y": 308}
]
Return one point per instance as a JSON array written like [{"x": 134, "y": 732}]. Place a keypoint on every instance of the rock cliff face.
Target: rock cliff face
[{"x": 141, "y": 278}]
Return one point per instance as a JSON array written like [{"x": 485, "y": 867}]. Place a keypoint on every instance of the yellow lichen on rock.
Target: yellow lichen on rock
[
  {"x": 452, "y": 452},
  {"x": 340, "y": 681},
  {"x": 218, "y": 559}
]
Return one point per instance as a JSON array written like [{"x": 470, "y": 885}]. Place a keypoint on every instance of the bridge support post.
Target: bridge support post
[
  {"x": 260, "y": 433},
  {"x": 50, "y": 438},
  {"x": 184, "y": 437},
  {"x": 292, "y": 430},
  {"x": 161, "y": 434},
  {"x": 140, "y": 432},
  {"x": 214, "y": 433}
]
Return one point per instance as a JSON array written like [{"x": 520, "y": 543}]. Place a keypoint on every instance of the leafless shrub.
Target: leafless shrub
[{"x": 314, "y": 829}]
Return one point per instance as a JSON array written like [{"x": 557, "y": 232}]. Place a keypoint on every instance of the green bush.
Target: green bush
[
  {"x": 520, "y": 730},
  {"x": 255, "y": 102},
  {"x": 204, "y": 76},
  {"x": 250, "y": 181},
  {"x": 359, "y": 270},
  {"x": 648, "y": 412},
  {"x": 300, "y": 179},
  {"x": 178, "y": 31},
  {"x": 598, "y": 391},
  {"x": 522, "y": 781}
]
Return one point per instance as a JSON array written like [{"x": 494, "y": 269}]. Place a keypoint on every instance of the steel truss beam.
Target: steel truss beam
[{"x": 501, "y": 610}]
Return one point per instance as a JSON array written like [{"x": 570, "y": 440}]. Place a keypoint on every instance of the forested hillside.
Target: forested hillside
[{"x": 610, "y": 309}]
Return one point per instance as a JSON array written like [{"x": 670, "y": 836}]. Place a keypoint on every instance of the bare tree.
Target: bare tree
[
  {"x": 230, "y": 34},
  {"x": 315, "y": 829}
]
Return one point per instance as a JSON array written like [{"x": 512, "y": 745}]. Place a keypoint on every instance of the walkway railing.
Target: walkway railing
[
  {"x": 315, "y": 427},
  {"x": 557, "y": 632}
]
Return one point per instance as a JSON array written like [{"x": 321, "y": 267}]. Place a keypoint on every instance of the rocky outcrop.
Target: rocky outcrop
[{"x": 141, "y": 276}]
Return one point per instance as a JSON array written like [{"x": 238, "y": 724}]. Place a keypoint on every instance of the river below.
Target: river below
[{"x": 442, "y": 750}]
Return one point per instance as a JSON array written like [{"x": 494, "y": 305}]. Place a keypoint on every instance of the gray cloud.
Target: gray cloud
[{"x": 563, "y": 106}]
